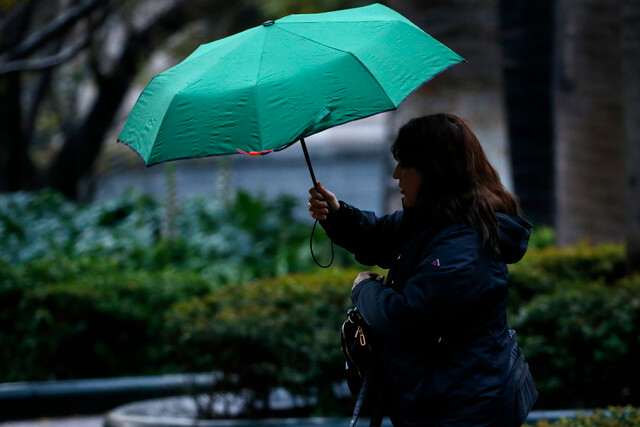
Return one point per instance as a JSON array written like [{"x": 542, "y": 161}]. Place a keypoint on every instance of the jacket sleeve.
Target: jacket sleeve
[
  {"x": 370, "y": 238},
  {"x": 436, "y": 294}
]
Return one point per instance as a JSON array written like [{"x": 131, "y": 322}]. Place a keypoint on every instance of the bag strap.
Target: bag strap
[{"x": 364, "y": 388}]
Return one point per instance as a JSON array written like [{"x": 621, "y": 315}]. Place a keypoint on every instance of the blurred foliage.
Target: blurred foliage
[
  {"x": 544, "y": 270},
  {"x": 246, "y": 239},
  {"x": 618, "y": 416},
  {"x": 86, "y": 317},
  {"x": 541, "y": 237},
  {"x": 578, "y": 321},
  {"x": 280, "y": 332},
  {"x": 582, "y": 342}
]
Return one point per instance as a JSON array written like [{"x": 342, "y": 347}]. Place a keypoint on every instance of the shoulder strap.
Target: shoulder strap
[
  {"x": 377, "y": 415},
  {"x": 364, "y": 388}
]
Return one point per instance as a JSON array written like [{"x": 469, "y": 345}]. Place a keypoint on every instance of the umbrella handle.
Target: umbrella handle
[
  {"x": 315, "y": 185},
  {"x": 313, "y": 176},
  {"x": 308, "y": 159}
]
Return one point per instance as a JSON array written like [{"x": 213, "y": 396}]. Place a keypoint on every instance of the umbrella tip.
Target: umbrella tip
[{"x": 268, "y": 23}]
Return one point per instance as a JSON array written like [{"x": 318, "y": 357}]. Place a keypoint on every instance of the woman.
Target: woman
[{"x": 442, "y": 310}]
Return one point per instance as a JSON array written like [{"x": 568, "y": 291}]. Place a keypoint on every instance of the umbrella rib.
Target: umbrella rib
[{"x": 255, "y": 98}]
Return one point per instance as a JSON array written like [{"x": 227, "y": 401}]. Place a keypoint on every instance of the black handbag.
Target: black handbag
[
  {"x": 525, "y": 388},
  {"x": 357, "y": 345}
]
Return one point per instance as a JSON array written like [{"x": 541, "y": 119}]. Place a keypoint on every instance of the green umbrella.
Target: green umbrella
[{"x": 267, "y": 87}]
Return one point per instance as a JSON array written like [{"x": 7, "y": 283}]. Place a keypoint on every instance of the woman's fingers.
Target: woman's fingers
[
  {"x": 318, "y": 216},
  {"x": 317, "y": 206},
  {"x": 329, "y": 197},
  {"x": 364, "y": 275},
  {"x": 313, "y": 193},
  {"x": 320, "y": 200},
  {"x": 316, "y": 201}
]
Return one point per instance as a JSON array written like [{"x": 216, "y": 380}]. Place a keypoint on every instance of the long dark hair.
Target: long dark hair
[{"x": 458, "y": 182}]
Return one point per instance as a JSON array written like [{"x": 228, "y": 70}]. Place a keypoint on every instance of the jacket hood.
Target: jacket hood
[{"x": 514, "y": 237}]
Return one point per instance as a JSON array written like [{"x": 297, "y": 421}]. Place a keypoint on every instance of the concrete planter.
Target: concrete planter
[
  {"x": 91, "y": 396},
  {"x": 181, "y": 412}
]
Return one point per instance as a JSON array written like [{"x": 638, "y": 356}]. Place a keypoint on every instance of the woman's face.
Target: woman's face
[{"x": 409, "y": 181}]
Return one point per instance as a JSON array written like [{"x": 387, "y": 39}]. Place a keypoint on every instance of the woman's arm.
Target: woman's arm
[{"x": 437, "y": 293}]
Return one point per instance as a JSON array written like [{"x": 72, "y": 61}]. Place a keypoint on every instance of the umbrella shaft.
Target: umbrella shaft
[{"x": 306, "y": 157}]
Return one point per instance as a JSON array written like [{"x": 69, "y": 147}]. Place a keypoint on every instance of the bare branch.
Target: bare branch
[
  {"x": 99, "y": 22},
  {"x": 14, "y": 25},
  {"x": 46, "y": 62},
  {"x": 53, "y": 30},
  {"x": 41, "y": 88}
]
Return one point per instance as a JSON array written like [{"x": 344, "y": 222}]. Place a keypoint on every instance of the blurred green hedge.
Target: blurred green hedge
[
  {"x": 274, "y": 332},
  {"x": 544, "y": 270},
  {"x": 98, "y": 291},
  {"x": 84, "y": 318},
  {"x": 617, "y": 416},
  {"x": 578, "y": 321},
  {"x": 582, "y": 342}
]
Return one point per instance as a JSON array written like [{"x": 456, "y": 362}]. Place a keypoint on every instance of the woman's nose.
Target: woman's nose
[{"x": 396, "y": 172}]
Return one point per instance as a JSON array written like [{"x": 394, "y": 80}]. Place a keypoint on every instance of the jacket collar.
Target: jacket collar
[{"x": 413, "y": 220}]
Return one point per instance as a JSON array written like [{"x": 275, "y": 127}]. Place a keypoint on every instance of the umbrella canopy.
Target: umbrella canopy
[{"x": 267, "y": 87}]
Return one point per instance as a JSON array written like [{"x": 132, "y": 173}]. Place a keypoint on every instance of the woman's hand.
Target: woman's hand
[
  {"x": 367, "y": 275},
  {"x": 319, "y": 202}
]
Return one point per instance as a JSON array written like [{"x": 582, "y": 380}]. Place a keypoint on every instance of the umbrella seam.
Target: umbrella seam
[
  {"x": 352, "y": 55},
  {"x": 342, "y": 22},
  {"x": 259, "y": 122},
  {"x": 164, "y": 117},
  {"x": 336, "y": 22}
]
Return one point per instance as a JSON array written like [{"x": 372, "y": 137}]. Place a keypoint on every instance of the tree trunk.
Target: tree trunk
[
  {"x": 590, "y": 156},
  {"x": 526, "y": 41},
  {"x": 17, "y": 172},
  {"x": 82, "y": 146},
  {"x": 631, "y": 69},
  {"x": 471, "y": 90}
]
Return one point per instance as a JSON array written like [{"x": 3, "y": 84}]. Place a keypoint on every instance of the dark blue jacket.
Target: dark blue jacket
[{"x": 441, "y": 313}]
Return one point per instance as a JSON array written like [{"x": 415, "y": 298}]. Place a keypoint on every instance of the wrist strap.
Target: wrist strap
[{"x": 311, "y": 249}]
